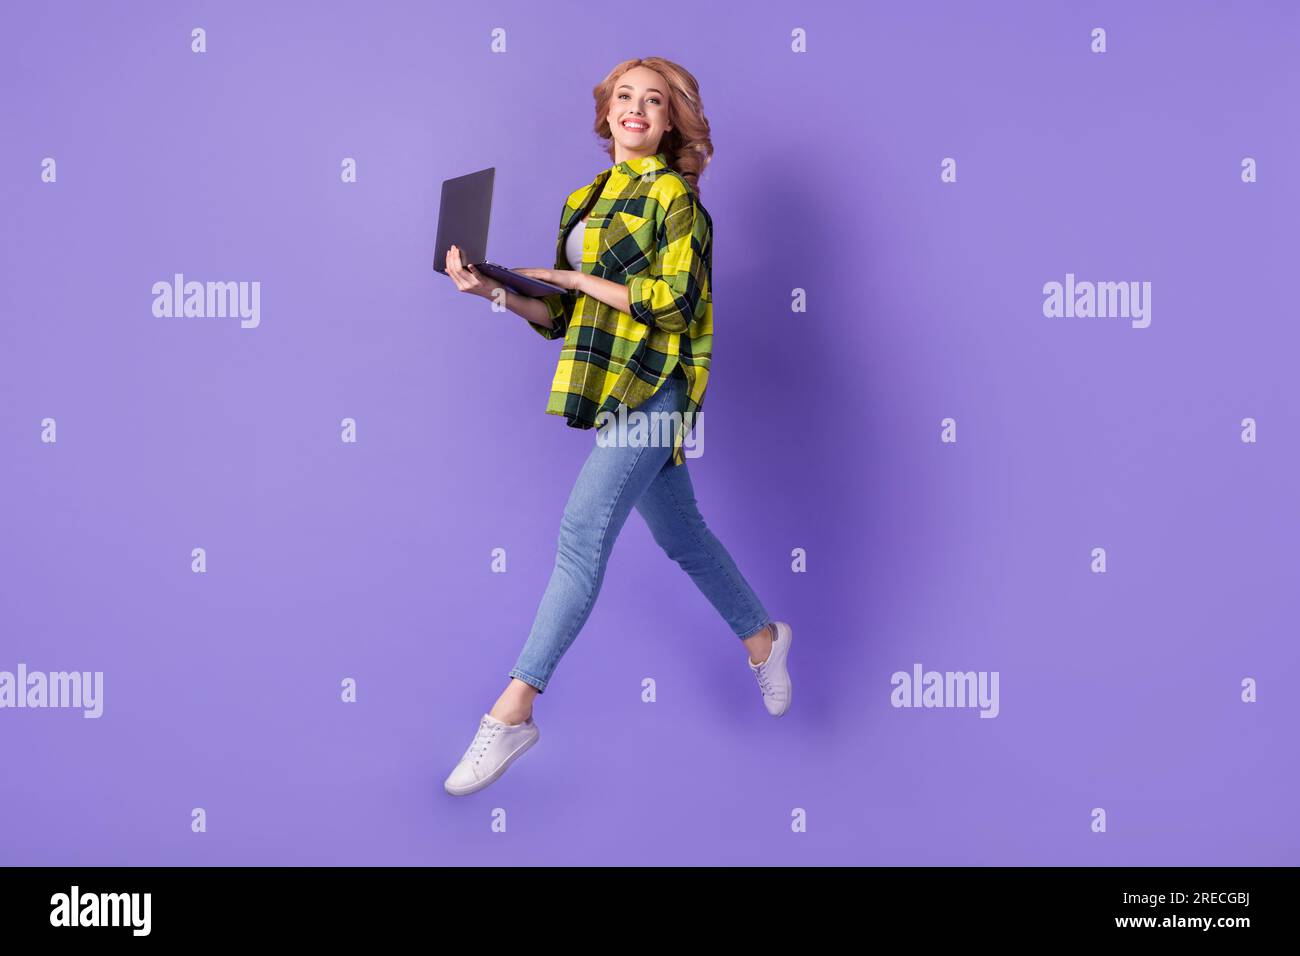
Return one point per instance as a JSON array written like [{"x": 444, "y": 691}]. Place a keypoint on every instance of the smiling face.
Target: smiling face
[{"x": 638, "y": 113}]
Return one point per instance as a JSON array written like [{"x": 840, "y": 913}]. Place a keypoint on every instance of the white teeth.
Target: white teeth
[{"x": 632, "y": 124}]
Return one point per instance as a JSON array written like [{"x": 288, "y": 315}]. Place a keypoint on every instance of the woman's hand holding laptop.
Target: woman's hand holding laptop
[
  {"x": 469, "y": 279},
  {"x": 564, "y": 278}
]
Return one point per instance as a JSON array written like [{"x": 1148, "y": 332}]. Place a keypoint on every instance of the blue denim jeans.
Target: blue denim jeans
[{"x": 613, "y": 479}]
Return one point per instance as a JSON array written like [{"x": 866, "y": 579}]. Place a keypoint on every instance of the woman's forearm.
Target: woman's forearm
[
  {"x": 534, "y": 310},
  {"x": 611, "y": 293}
]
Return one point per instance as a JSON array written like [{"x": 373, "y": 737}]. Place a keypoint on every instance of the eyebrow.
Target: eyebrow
[{"x": 625, "y": 86}]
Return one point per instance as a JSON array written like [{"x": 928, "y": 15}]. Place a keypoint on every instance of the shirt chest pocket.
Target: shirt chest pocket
[{"x": 621, "y": 242}]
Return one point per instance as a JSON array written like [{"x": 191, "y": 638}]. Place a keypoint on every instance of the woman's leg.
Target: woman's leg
[
  {"x": 613, "y": 477},
  {"x": 669, "y": 508}
]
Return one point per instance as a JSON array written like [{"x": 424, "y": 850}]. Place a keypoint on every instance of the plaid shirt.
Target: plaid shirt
[{"x": 648, "y": 230}]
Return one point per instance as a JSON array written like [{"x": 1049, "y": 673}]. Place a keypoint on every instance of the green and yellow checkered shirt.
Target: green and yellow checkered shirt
[{"x": 648, "y": 230}]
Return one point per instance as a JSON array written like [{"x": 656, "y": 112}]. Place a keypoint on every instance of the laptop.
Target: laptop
[{"x": 463, "y": 222}]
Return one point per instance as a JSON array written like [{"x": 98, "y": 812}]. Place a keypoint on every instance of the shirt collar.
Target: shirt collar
[{"x": 639, "y": 167}]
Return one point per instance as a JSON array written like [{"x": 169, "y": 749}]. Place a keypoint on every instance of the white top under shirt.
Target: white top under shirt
[{"x": 573, "y": 244}]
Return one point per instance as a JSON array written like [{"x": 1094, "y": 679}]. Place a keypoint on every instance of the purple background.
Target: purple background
[{"x": 372, "y": 560}]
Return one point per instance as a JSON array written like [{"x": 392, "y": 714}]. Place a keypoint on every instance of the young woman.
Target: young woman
[{"x": 635, "y": 253}]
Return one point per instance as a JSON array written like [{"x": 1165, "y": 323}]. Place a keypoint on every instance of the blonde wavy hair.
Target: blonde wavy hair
[{"x": 686, "y": 146}]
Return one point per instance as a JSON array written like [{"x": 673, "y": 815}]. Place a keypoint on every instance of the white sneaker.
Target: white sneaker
[
  {"x": 495, "y": 747},
  {"x": 773, "y": 678}
]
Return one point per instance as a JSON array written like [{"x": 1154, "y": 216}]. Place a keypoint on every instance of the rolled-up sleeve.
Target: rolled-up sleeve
[
  {"x": 559, "y": 305},
  {"x": 675, "y": 289}
]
